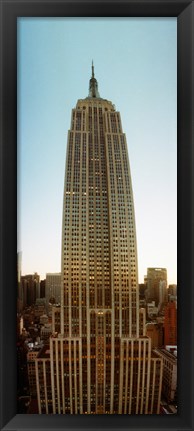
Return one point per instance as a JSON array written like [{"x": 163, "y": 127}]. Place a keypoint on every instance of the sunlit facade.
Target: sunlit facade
[{"x": 101, "y": 361}]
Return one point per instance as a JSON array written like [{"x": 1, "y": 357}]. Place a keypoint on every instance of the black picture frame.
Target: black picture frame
[{"x": 10, "y": 11}]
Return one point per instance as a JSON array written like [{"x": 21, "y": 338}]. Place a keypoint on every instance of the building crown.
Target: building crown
[{"x": 93, "y": 85}]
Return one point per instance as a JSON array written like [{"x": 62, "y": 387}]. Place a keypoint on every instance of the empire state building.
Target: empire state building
[{"x": 100, "y": 361}]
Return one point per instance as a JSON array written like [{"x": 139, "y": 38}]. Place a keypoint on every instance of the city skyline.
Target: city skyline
[{"x": 145, "y": 96}]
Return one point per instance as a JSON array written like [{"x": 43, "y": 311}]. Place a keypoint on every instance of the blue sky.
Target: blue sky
[{"x": 135, "y": 63}]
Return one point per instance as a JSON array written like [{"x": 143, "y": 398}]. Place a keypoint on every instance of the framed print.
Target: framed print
[{"x": 91, "y": 361}]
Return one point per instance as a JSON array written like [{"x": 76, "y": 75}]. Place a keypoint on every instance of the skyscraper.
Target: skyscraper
[
  {"x": 30, "y": 285},
  {"x": 53, "y": 287},
  {"x": 157, "y": 284},
  {"x": 101, "y": 361}
]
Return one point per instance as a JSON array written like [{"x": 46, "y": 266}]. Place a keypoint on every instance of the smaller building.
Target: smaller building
[
  {"x": 53, "y": 288},
  {"x": 163, "y": 294},
  {"x": 152, "y": 310},
  {"x": 43, "y": 319},
  {"x": 172, "y": 290},
  {"x": 156, "y": 282},
  {"x": 30, "y": 288},
  {"x": 156, "y": 333},
  {"x": 170, "y": 324},
  {"x": 31, "y": 356},
  {"x": 39, "y": 308},
  {"x": 46, "y": 331},
  {"x": 142, "y": 289},
  {"x": 169, "y": 382},
  {"x": 42, "y": 288}
]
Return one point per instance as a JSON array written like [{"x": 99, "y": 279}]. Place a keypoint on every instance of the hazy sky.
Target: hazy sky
[{"x": 135, "y": 63}]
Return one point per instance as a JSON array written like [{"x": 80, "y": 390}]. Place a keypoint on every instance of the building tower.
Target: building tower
[
  {"x": 30, "y": 285},
  {"x": 101, "y": 361},
  {"x": 53, "y": 288},
  {"x": 157, "y": 285}
]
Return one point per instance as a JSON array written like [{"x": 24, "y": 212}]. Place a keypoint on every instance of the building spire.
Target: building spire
[
  {"x": 92, "y": 69},
  {"x": 93, "y": 86}
]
